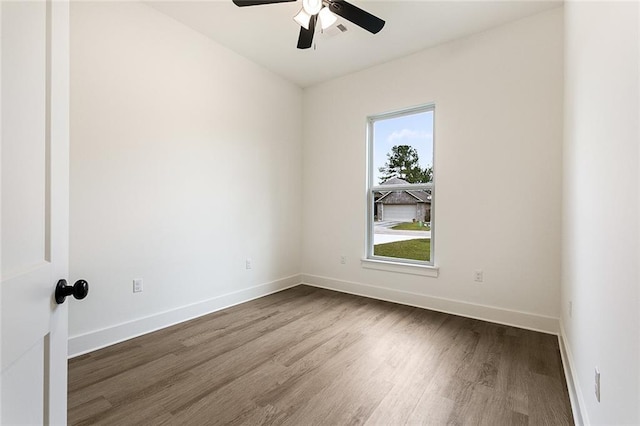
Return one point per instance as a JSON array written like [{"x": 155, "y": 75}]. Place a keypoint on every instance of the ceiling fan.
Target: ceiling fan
[{"x": 324, "y": 11}]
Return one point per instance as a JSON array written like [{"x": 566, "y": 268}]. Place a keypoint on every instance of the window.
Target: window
[{"x": 400, "y": 187}]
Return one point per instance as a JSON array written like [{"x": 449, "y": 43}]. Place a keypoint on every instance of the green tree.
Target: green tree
[
  {"x": 427, "y": 174},
  {"x": 403, "y": 162}
]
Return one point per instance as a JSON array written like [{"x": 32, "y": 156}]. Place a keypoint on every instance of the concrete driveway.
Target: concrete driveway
[{"x": 382, "y": 233}]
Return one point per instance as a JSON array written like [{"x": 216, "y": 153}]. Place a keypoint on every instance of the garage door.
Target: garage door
[{"x": 402, "y": 212}]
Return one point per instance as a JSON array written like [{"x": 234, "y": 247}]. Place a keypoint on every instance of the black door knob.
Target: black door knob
[{"x": 79, "y": 290}]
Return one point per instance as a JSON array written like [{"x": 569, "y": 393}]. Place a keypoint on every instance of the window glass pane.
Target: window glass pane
[{"x": 402, "y": 148}]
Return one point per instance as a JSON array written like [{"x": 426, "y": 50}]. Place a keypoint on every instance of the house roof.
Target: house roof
[
  {"x": 395, "y": 181},
  {"x": 403, "y": 197}
]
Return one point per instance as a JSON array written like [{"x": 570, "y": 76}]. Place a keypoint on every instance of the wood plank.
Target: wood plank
[{"x": 314, "y": 356}]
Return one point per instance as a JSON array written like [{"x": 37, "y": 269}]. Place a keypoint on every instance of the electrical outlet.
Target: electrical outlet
[
  {"x": 343, "y": 260},
  {"x": 137, "y": 285},
  {"x": 570, "y": 308},
  {"x": 247, "y": 264},
  {"x": 597, "y": 384},
  {"x": 478, "y": 275}
]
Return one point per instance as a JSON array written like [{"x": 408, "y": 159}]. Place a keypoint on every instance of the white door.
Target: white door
[
  {"x": 34, "y": 117},
  {"x": 400, "y": 212}
]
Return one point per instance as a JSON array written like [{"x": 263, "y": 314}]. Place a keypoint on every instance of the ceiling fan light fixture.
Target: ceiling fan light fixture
[
  {"x": 327, "y": 18},
  {"x": 303, "y": 19},
  {"x": 312, "y": 7}
]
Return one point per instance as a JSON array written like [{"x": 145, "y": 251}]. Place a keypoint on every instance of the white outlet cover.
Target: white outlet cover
[{"x": 137, "y": 285}]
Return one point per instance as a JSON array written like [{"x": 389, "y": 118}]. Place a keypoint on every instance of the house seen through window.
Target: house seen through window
[{"x": 401, "y": 186}]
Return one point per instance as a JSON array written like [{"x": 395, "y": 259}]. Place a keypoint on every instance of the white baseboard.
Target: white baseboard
[
  {"x": 493, "y": 314},
  {"x": 88, "y": 342},
  {"x": 580, "y": 417},
  {"x": 98, "y": 339}
]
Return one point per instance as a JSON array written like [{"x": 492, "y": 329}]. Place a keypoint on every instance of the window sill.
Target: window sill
[{"x": 403, "y": 268}]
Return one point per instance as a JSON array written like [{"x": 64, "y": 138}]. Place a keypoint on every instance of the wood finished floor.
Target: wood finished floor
[{"x": 312, "y": 356}]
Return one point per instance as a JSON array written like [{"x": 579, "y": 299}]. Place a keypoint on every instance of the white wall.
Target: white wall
[
  {"x": 498, "y": 142},
  {"x": 600, "y": 209},
  {"x": 185, "y": 160}
]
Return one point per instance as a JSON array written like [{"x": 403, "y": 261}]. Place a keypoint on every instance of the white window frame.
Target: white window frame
[{"x": 394, "y": 264}]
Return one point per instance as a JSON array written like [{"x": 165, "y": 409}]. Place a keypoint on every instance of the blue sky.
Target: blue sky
[{"x": 415, "y": 130}]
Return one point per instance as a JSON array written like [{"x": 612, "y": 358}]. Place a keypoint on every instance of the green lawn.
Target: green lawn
[
  {"x": 411, "y": 226},
  {"x": 418, "y": 249}
]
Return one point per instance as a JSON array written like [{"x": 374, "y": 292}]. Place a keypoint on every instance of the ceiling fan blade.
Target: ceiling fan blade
[
  {"x": 243, "y": 3},
  {"x": 305, "y": 39},
  {"x": 360, "y": 17}
]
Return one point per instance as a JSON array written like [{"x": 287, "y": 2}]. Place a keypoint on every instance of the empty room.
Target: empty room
[{"x": 320, "y": 212}]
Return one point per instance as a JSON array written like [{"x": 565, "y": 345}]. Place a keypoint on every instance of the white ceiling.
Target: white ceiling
[{"x": 267, "y": 34}]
